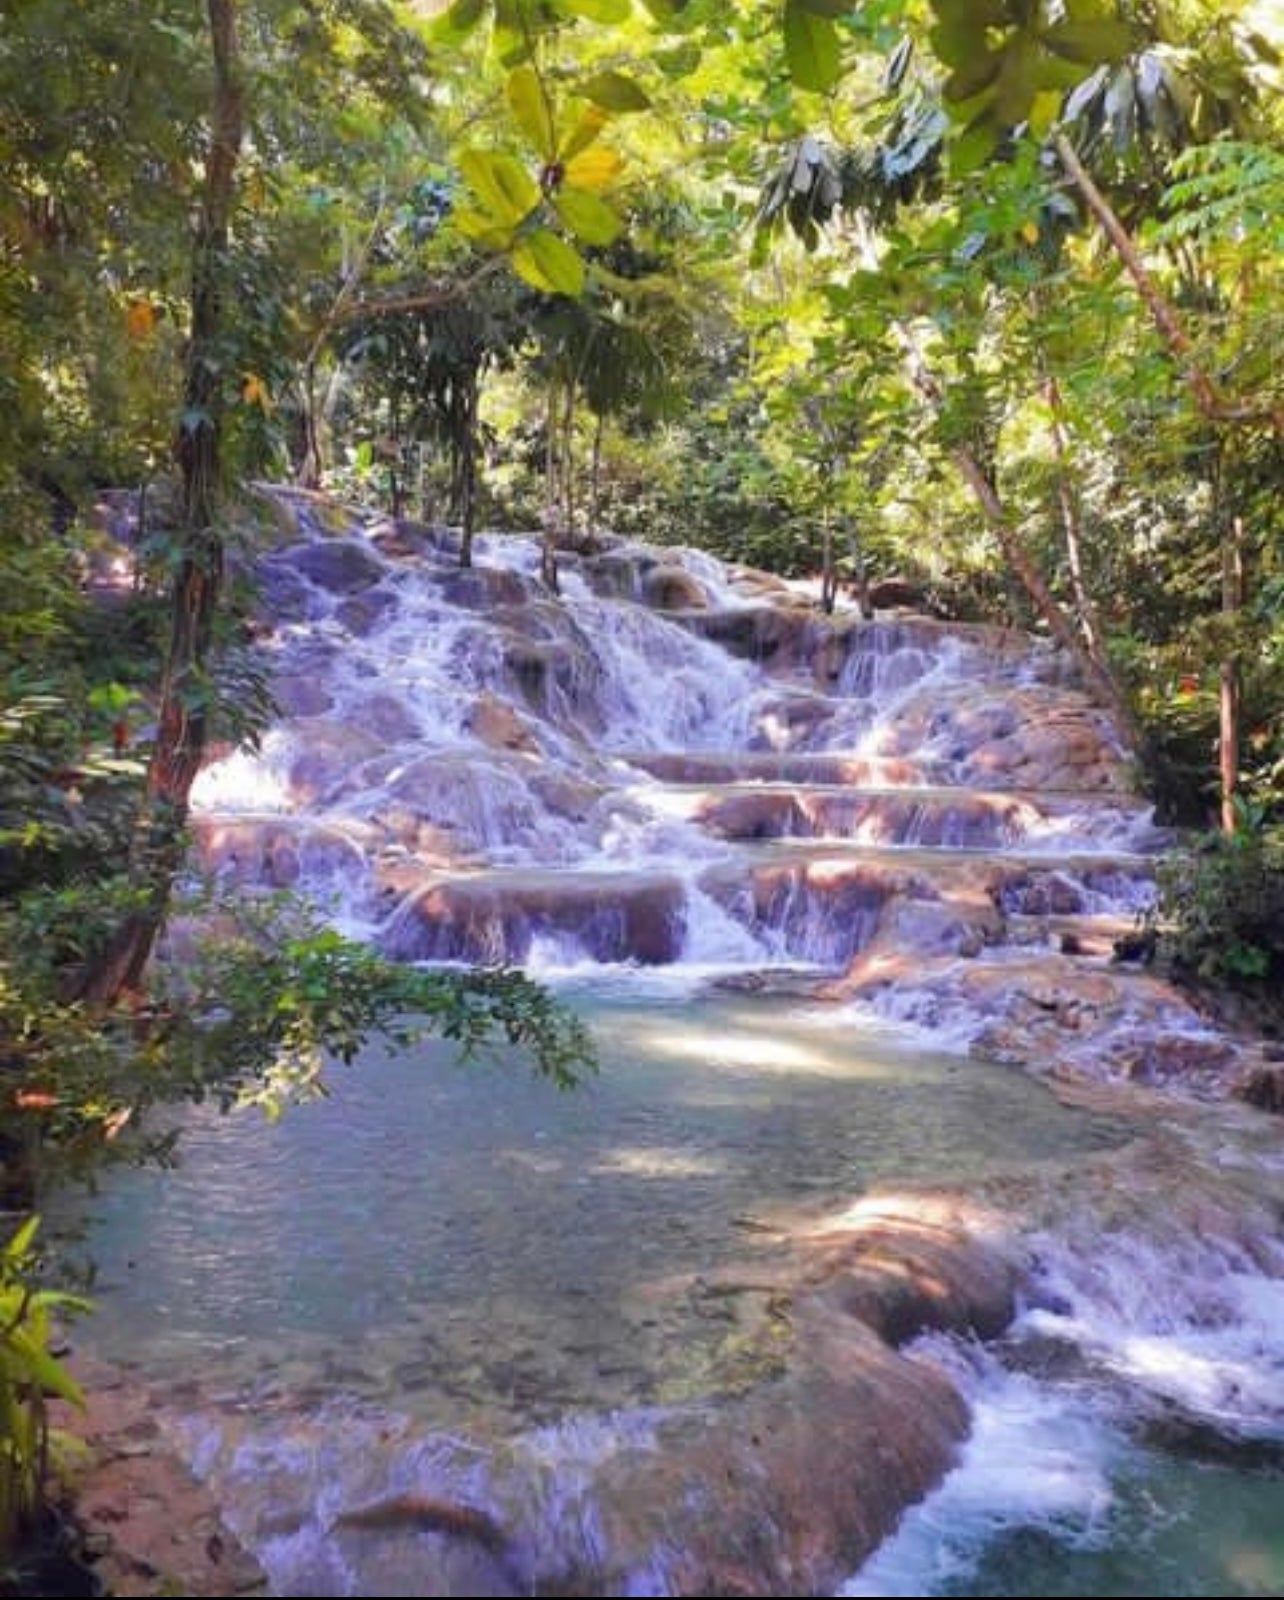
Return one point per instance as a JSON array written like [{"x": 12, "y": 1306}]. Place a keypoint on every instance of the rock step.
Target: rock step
[
  {"x": 774, "y": 766},
  {"x": 938, "y": 816}
]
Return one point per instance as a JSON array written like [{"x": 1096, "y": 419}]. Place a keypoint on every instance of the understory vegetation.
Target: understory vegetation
[{"x": 984, "y": 296}]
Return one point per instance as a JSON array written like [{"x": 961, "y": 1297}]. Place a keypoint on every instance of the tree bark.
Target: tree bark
[
  {"x": 1086, "y": 610},
  {"x": 183, "y": 717},
  {"x": 1228, "y": 673}
]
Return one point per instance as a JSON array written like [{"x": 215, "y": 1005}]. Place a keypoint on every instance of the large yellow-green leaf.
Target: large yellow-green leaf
[
  {"x": 973, "y": 75},
  {"x": 811, "y": 48},
  {"x": 591, "y": 220},
  {"x": 527, "y": 97},
  {"x": 614, "y": 92},
  {"x": 585, "y": 131},
  {"x": 596, "y": 10},
  {"x": 1090, "y": 42},
  {"x": 593, "y": 169},
  {"x": 548, "y": 263},
  {"x": 501, "y": 183},
  {"x": 481, "y": 228}
]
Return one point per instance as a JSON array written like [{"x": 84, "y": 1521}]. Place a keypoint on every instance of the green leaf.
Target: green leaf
[
  {"x": 20, "y": 1244},
  {"x": 501, "y": 183},
  {"x": 1018, "y": 80},
  {"x": 811, "y": 48},
  {"x": 828, "y": 8},
  {"x": 549, "y": 263},
  {"x": 461, "y": 18},
  {"x": 976, "y": 144},
  {"x": 1092, "y": 43},
  {"x": 679, "y": 62},
  {"x": 530, "y": 105},
  {"x": 591, "y": 220},
  {"x": 614, "y": 92},
  {"x": 973, "y": 76},
  {"x": 596, "y": 10}
]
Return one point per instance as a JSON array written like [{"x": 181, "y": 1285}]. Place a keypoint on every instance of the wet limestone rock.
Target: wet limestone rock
[
  {"x": 611, "y": 917},
  {"x": 150, "y": 1527}
]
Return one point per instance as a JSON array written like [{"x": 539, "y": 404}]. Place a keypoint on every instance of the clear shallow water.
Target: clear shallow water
[
  {"x": 467, "y": 1244},
  {"x": 374, "y": 1294}
]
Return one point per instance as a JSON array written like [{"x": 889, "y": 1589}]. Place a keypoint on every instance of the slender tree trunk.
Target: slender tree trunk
[
  {"x": 184, "y": 712},
  {"x": 468, "y": 469},
  {"x": 595, "y": 474},
  {"x": 1096, "y": 674},
  {"x": 568, "y": 464},
  {"x": 552, "y": 492},
  {"x": 1229, "y": 674},
  {"x": 1096, "y": 671},
  {"x": 860, "y": 579},
  {"x": 1085, "y": 608},
  {"x": 828, "y": 571}
]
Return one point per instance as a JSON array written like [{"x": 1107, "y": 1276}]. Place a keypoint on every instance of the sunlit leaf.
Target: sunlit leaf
[
  {"x": 481, "y": 228},
  {"x": 591, "y": 220},
  {"x": 585, "y": 131},
  {"x": 501, "y": 183},
  {"x": 549, "y": 263},
  {"x": 596, "y": 10},
  {"x": 527, "y": 97},
  {"x": 594, "y": 169}
]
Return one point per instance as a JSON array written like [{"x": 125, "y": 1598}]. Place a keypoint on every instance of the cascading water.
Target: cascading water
[
  {"x": 592, "y": 1328},
  {"x": 460, "y": 726}
]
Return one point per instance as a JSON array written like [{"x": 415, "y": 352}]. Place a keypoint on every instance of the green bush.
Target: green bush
[{"x": 1221, "y": 905}]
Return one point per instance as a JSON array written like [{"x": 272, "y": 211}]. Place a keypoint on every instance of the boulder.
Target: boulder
[
  {"x": 669, "y": 587},
  {"x": 343, "y": 566},
  {"x": 609, "y": 917}
]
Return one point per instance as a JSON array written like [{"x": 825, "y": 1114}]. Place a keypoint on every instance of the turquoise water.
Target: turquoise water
[{"x": 469, "y": 1244}]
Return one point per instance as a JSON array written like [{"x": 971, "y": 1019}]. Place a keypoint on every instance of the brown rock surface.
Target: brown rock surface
[{"x": 155, "y": 1530}]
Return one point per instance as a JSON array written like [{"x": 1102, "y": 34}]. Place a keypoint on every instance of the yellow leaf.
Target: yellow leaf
[
  {"x": 585, "y": 131},
  {"x": 1030, "y": 233},
  {"x": 140, "y": 318},
  {"x": 254, "y": 392},
  {"x": 593, "y": 169}
]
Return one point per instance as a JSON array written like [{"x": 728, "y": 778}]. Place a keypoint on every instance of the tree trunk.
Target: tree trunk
[
  {"x": 1229, "y": 691},
  {"x": 185, "y": 697},
  {"x": 1096, "y": 674},
  {"x": 595, "y": 474},
  {"x": 828, "y": 569},
  {"x": 467, "y": 439},
  {"x": 1085, "y": 609}
]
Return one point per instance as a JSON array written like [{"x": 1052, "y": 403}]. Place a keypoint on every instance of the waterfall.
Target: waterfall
[{"x": 479, "y": 770}]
